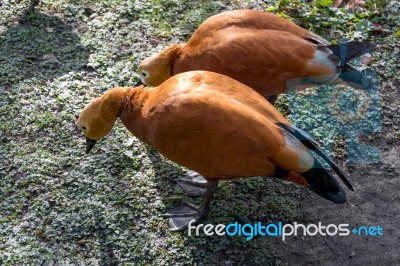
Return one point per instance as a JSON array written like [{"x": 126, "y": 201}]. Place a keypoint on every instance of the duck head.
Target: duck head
[
  {"x": 98, "y": 117},
  {"x": 157, "y": 68}
]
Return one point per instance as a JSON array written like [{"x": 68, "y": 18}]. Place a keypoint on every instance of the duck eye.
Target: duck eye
[
  {"x": 84, "y": 128},
  {"x": 144, "y": 74}
]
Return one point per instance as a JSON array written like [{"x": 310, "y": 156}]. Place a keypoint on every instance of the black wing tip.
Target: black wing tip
[
  {"x": 342, "y": 176},
  {"x": 310, "y": 143},
  {"x": 338, "y": 198},
  {"x": 351, "y": 50},
  {"x": 324, "y": 184}
]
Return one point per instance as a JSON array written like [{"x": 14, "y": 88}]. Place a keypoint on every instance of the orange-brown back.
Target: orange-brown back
[
  {"x": 210, "y": 49},
  {"x": 252, "y": 19},
  {"x": 262, "y": 59},
  {"x": 214, "y": 125}
]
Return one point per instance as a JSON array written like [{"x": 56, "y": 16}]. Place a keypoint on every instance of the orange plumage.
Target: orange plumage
[
  {"x": 259, "y": 49},
  {"x": 214, "y": 125},
  {"x": 253, "y": 19}
]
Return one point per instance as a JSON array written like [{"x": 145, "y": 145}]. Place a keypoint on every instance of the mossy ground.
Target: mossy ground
[{"x": 60, "y": 206}]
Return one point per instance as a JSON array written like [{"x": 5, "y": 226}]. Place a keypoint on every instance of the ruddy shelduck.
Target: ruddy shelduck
[
  {"x": 261, "y": 50},
  {"x": 216, "y": 126}
]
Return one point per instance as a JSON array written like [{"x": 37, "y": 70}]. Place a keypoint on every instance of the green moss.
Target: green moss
[{"x": 53, "y": 195}]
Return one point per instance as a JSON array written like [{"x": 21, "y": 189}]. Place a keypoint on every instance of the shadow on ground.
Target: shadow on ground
[
  {"x": 39, "y": 46},
  {"x": 246, "y": 200}
]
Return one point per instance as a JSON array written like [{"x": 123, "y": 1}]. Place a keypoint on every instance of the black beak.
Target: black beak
[
  {"x": 138, "y": 83},
  {"x": 90, "y": 144}
]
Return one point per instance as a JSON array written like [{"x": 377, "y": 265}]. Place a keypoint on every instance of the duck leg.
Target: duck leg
[
  {"x": 180, "y": 217},
  {"x": 193, "y": 184},
  {"x": 272, "y": 99}
]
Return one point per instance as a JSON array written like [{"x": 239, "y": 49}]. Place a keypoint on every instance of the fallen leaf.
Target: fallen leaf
[
  {"x": 378, "y": 28},
  {"x": 123, "y": 21},
  {"x": 50, "y": 59},
  {"x": 93, "y": 16},
  {"x": 338, "y": 3},
  {"x": 83, "y": 242},
  {"x": 353, "y": 4},
  {"x": 129, "y": 142}
]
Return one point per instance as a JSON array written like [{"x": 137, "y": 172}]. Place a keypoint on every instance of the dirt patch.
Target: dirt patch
[{"x": 374, "y": 202}]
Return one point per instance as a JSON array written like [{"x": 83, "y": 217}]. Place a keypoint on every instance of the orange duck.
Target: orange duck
[
  {"x": 259, "y": 49},
  {"x": 216, "y": 126}
]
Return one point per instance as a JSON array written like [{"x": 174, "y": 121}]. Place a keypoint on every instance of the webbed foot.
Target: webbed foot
[
  {"x": 180, "y": 217},
  {"x": 193, "y": 184}
]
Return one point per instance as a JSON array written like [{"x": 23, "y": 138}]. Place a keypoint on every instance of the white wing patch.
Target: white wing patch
[{"x": 306, "y": 159}]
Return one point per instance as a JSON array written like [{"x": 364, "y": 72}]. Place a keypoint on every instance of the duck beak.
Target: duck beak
[
  {"x": 90, "y": 144},
  {"x": 138, "y": 83}
]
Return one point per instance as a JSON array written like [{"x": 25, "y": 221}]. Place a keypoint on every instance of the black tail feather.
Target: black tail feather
[
  {"x": 312, "y": 144},
  {"x": 351, "y": 50},
  {"x": 324, "y": 184},
  {"x": 335, "y": 168}
]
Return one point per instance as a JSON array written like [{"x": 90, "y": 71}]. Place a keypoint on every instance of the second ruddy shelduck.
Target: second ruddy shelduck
[
  {"x": 218, "y": 127},
  {"x": 262, "y": 50}
]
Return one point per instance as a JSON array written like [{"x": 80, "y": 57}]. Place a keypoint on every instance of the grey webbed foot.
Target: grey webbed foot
[
  {"x": 193, "y": 184},
  {"x": 180, "y": 217}
]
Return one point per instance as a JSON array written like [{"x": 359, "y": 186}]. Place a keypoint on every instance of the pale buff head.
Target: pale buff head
[
  {"x": 157, "y": 68},
  {"x": 98, "y": 117}
]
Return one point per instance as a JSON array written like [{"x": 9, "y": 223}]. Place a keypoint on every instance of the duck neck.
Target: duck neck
[
  {"x": 132, "y": 112},
  {"x": 172, "y": 52},
  {"x": 114, "y": 99}
]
